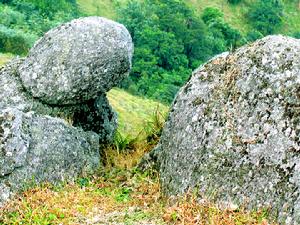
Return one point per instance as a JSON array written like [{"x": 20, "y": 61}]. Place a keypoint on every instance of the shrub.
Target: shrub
[
  {"x": 266, "y": 16},
  {"x": 15, "y": 41},
  {"x": 296, "y": 35},
  {"x": 210, "y": 14},
  {"x": 253, "y": 36}
]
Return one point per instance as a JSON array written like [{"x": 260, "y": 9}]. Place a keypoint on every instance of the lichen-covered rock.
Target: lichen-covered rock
[
  {"x": 234, "y": 130},
  {"x": 41, "y": 148},
  {"x": 94, "y": 115},
  {"x": 78, "y": 60}
]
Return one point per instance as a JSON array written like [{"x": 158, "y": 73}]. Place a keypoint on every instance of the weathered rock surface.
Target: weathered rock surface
[
  {"x": 41, "y": 148},
  {"x": 94, "y": 115},
  {"x": 234, "y": 130},
  {"x": 78, "y": 60},
  {"x": 54, "y": 114}
]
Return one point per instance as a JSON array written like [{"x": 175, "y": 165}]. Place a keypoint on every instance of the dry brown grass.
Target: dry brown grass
[
  {"x": 120, "y": 193},
  {"x": 129, "y": 195}
]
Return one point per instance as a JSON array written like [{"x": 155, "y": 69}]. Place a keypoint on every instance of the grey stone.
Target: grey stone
[
  {"x": 36, "y": 148},
  {"x": 234, "y": 130},
  {"x": 99, "y": 117},
  {"x": 94, "y": 115},
  {"x": 76, "y": 61}
]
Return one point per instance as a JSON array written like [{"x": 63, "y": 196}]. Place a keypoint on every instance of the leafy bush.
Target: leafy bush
[
  {"x": 297, "y": 35},
  {"x": 15, "y": 41},
  {"x": 224, "y": 36},
  {"x": 266, "y": 16},
  {"x": 210, "y": 14},
  {"x": 170, "y": 41},
  {"x": 22, "y": 21},
  {"x": 253, "y": 36}
]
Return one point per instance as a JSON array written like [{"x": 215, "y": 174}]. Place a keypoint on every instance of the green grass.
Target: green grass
[
  {"x": 105, "y": 8},
  {"x": 4, "y": 58},
  {"x": 133, "y": 112},
  {"x": 118, "y": 197}
]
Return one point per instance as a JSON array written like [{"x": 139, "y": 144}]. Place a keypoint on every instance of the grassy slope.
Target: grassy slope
[
  {"x": 234, "y": 14},
  {"x": 98, "y": 7},
  {"x": 133, "y": 111}
]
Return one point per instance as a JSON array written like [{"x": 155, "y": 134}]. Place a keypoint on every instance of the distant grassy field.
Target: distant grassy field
[
  {"x": 234, "y": 14},
  {"x": 133, "y": 111},
  {"x": 105, "y": 8}
]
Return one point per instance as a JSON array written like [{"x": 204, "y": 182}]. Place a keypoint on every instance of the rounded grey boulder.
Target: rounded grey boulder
[
  {"x": 233, "y": 132},
  {"x": 76, "y": 61}
]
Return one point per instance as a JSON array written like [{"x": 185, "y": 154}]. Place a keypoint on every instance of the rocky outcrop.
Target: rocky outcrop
[
  {"x": 54, "y": 114},
  {"x": 38, "y": 148},
  {"x": 78, "y": 60},
  {"x": 234, "y": 130},
  {"x": 93, "y": 115}
]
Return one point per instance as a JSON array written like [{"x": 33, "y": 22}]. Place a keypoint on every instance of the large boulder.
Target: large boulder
[
  {"x": 94, "y": 115},
  {"x": 78, "y": 60},
  {"x": 54, "y": 114},
  {"x": 234, "y": 130},
  {"x": 41, "y": 148}
]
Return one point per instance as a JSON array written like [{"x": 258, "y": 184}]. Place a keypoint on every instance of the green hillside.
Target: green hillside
[
  {"x": 133, "y": 112},
  {"x": 234, "y": 14}
]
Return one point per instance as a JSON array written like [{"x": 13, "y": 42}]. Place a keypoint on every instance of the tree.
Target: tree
[
  {"x": 169, "y": 40},
  {"x": 266, "y": 16}
]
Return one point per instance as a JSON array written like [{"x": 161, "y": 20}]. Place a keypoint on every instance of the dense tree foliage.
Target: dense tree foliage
[
  {"x": 23, "y": 21},
  {"x": 170, "y": 41},
  {"x": 234, "y": 1},
  {"x": 266, "y": 15}
]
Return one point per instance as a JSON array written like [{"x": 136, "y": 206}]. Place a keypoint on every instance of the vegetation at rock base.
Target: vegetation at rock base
[{"x": 120, "y": 194}]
